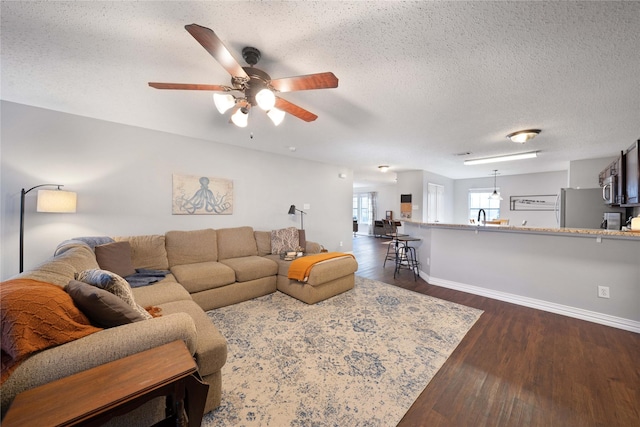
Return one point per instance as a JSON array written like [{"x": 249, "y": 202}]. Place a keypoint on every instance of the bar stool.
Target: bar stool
[
  {"x": 392, "y": 255},
  {"x": 406, "y": 256}
]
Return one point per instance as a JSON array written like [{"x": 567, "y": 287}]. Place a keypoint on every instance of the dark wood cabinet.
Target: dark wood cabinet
[{"x": 632, "y": 174}]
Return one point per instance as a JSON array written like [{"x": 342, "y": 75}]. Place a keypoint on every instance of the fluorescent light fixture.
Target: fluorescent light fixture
[
  {"x": 523, "y": 136},
  {"x": 223, "y": 102},
  {"x": 519, "y": 156}
]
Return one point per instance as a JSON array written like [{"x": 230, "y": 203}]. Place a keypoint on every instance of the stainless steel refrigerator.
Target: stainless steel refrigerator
[{"x": 582, "y": 208}]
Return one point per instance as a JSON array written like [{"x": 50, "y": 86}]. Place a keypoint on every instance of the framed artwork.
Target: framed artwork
[
  {"x": 545, "y": 202},
  {"x": 405, "y": 206},
  {"x": 201, "y": 195}
]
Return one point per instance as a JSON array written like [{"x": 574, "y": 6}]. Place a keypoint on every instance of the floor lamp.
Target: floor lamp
[
  {"x": 292, "y": 211},
  {"x": 48, "y": 201}
]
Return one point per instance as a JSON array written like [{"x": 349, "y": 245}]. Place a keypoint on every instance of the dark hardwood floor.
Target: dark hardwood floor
[{"x": 519, "y": 366}]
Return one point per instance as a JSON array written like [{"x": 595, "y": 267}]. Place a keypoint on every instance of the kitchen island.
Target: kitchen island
[{"x": 552, "y": 269}]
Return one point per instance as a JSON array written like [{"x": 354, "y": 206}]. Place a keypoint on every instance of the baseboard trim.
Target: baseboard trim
[{"x": 578, "y": 313}]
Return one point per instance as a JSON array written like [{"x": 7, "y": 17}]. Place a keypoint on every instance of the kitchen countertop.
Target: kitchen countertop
[{"x": 577, "y": 232}]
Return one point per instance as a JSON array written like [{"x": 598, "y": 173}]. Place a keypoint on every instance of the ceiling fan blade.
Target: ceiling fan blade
[
  {"x": 294, "y": 110},
  {"x": 310, "y": 81},
  {"x": 212, "y": 44},
  {"x": 189, "y": 86}
]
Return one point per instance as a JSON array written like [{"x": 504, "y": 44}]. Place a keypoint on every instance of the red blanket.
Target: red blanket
[{"x": 301, "y": 267}]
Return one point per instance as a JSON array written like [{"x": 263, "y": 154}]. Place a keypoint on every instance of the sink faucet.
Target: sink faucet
[{"x": 484, "y": 217}]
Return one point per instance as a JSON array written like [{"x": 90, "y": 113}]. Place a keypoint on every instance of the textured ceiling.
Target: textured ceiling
[{"x": 419, "y": 81}]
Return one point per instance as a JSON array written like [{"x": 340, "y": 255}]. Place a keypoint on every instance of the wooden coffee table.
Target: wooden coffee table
[{"x": 94, "y": 396}]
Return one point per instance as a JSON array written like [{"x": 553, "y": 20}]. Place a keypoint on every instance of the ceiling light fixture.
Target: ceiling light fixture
[
  {"x": 523, "y": 136},
  {"x": 241, "y": 117},
  {"x": 223, "y": 102},
  {"x": 276, "y": 116},
  {"x": 266, "y": 99},
  {"x": 495, "y": 195},
  {"x": 519, "y": 156},
  {"x": 383, "y": 168}
]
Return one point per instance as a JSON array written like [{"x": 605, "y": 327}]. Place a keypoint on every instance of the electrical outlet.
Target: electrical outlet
[
  {"x": 340, "y": 244},
  {"x": 603, "y": 292},
  {"x": 428, "y": 261}
]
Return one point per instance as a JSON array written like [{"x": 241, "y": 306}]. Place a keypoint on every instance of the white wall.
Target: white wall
[
  {"x": 122, "y": 176},
  {"x": 584, "y": 173},
  {"x": 411, "y": 182},
  {"x": 546, "y": 183}
]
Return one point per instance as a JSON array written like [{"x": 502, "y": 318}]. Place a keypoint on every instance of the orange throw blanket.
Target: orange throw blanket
[
  {"x": 35, "y": 316},
  {"x": 301, "y": 267}
]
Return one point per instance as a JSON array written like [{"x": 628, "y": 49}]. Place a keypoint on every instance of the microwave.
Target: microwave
[{"x": 610, "y": 189}]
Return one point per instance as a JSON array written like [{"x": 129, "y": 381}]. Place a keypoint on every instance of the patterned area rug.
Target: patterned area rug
[{"x": 359, "y": 359}]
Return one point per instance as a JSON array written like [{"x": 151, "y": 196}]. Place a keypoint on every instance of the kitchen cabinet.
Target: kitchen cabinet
[{"x": 632, "y": 175}]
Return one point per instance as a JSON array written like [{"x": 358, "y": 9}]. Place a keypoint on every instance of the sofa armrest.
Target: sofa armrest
[
  {"x": 97, "y": 349},
  {"x": 312, "y": 247}
]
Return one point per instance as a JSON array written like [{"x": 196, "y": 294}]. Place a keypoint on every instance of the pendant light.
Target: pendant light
[{"x": 495, "y": 195}]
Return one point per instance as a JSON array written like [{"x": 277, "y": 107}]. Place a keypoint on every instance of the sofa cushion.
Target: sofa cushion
[
  {"x": 160, "y": 292},
  {"x": 113, "y": 283},
  {"x": 189, "y": 247},
  {"x": 263, "y": 241},
  {"x": 283, "y": 266},
  {"x": 284, "y": 239},
  {"x": 115, "y": 257},
  {"x": 251, "y": 267},
  {"x": 35, "y": 316},
  {"x": 103, "y": 308},
  {"x": 203, "y": 275},
  {"x": 236, "y": 242},
  {"x": 147, "y": 251}
]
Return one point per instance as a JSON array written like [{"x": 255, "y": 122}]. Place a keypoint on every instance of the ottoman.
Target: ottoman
[{"x": 327, "y": 278}]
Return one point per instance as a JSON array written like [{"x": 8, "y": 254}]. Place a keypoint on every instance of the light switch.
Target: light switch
[{"x": 307, "y": 206}]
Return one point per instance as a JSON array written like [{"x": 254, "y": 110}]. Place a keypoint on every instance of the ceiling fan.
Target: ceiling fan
[{"x": 251, "y": 86}]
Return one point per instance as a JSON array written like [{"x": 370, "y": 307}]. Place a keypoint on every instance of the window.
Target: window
[
  {"x": 479, "y": 199},
  {"x": 361, "y": 204}
]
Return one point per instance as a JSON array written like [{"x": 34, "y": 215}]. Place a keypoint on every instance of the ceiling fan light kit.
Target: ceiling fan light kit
[
  {"x": 509, "y": 157},
  {"x": 276, "y": 116},
  {"x": 241, "y": 117},
  {"x": 223, "y": 102},
  {"x": 256, "y": 87},
  {"x": 522, "y": 136}
]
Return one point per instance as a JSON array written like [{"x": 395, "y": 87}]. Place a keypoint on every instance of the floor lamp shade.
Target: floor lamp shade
[{"x": 56, "y": 201}]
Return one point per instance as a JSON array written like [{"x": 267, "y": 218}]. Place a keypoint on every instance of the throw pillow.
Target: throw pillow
[
  {"x": 35, "y": 316},
  {"x": 103, "y": 308},
  {"x": 285, "y": 239},
  {"x": 115, "y": 257},
  {"x": 113, "y": 283}
]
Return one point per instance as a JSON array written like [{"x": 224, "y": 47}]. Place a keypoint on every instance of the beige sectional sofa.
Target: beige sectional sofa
[{"x": 208, "y": 269}]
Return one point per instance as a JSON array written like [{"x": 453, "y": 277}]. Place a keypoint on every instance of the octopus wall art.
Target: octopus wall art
[{"x": 202, "y": 195}]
